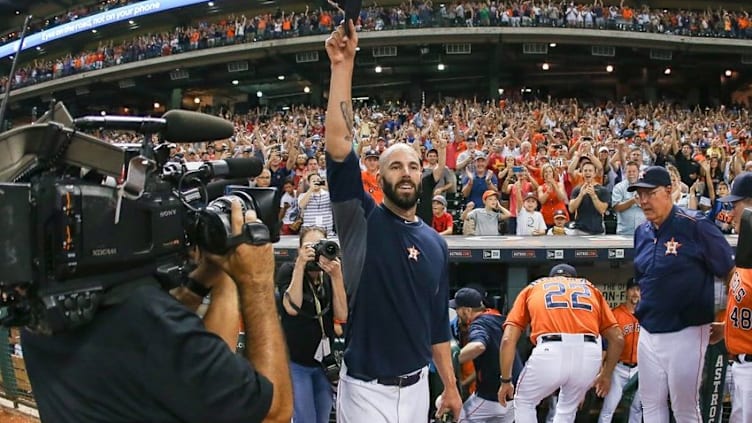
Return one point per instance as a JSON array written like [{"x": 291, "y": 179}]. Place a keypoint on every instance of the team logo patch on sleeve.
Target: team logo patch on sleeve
[
  {"x": 412, "y": 253},
  {"x": 672, "y": 247}
]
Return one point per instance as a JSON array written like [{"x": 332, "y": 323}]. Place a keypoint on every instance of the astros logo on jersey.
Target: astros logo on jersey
[
  {"x": 412, "y": 253},
  {"x": 672, "y": 247}
]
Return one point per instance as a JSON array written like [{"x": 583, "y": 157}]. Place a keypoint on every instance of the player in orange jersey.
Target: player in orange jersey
[
  {"x": 737, "y": 326},
  {"x": 626, "y": 368},
  {"x": 566, "y": 315}
]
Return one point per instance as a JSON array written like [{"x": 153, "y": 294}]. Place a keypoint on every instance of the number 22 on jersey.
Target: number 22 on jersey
[{"x": 567, "y": 294}]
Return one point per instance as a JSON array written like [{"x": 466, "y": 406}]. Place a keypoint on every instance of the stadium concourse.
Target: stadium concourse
[{"x": 239, "y": 28}]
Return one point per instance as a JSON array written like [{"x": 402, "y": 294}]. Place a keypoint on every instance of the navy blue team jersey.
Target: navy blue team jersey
[
  {"x": 675, "y": 266},
  {"x": 486, "y": 329},
  {"x": 396, "y": 274}
]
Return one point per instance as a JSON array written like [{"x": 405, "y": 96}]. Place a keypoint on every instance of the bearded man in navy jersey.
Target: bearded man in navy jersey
[{"x": 395, "y": 268}]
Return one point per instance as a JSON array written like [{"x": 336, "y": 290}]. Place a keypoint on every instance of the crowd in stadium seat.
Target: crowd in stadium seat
[
  {"x": 281, "y": 24},
  {"x": 532, "y": 148},
  {"x": 78, "y": 12}
]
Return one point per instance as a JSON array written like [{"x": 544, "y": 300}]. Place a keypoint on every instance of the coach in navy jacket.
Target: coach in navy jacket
[{"x": 677, "y": 258}]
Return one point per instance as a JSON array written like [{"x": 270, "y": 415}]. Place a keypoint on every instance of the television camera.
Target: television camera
[{"x": 68, "y": 237}]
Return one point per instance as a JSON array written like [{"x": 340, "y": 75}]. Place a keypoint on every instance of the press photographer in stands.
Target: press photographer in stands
[
  {"x": 314, "y": 299},
  {"x": 148, "y": 358}
]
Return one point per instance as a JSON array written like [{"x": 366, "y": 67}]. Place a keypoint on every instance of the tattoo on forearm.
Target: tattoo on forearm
[{"x": 347, "y": 114}]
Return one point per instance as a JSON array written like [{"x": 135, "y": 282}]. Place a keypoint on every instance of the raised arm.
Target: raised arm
[
  {"x": 339, "y": 111},
  {"x": 441, "y": 145}
]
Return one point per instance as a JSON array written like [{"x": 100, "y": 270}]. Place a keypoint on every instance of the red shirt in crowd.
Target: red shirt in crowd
[{"x": 441, "y": 223}]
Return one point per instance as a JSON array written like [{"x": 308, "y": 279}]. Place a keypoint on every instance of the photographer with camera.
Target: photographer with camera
[
  {"x": 313, "y": 301},
  {"x": 145, "y": 357}
]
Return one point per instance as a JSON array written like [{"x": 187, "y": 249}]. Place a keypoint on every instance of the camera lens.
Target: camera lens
[
  {"x": 214, "y": 227},
  {"x": 329, "y": 249}
]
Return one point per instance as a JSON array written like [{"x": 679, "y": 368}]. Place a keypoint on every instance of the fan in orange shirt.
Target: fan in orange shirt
[
  {"x": 567, "y": 314},
  {"x": 370, "y": 176}
]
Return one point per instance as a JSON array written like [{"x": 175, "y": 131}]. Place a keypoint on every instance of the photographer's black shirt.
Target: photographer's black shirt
[
  {"x": 303, "y": 332},
  {"x": 149, "y": 359}
]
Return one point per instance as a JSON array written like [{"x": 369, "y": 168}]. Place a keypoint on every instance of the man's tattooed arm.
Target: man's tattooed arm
[{"x": 347, "y": 114}]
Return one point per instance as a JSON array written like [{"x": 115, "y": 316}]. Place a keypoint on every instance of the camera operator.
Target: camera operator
[
  {"x": 147, "y": 358},
  {"x": 314, "y": 300}
]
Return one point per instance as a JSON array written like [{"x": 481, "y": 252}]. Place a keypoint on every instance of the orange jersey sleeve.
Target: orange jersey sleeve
[
  {"x": 738, "y": 329},
  {"x": 561, "y": 305},
  {"x": 630, "y": 328}
]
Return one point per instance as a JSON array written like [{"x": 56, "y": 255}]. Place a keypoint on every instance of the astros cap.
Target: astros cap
[
  {"x": 654, "y": 176},
  {"x": 563, "y": 269}
]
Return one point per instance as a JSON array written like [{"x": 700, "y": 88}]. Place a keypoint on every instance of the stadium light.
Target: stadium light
[
  {"x": 259, "y": 94},
  {"x": 281, "y": 77},
  {"x": 441, "y": 67},
  {"x": 609, "y": 68},
  {"x": 667, "y": 71},
  {"x": 377, "y": 69},
  {"x": 235, "y": 82},
  {"x": 546, "y": 66},
  {"x": 306, "y": 89}
]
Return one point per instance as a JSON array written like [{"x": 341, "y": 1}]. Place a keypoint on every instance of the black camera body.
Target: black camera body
[
  {"x": 70, "y": 232},
  {"x": 324, "y": 247}
]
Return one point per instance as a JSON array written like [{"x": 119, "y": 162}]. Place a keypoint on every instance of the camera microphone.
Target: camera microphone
[
  {"x": 246, "y": 167},
  {"x": 179, "y": 126},
  {"x": 186, "y": 126}
]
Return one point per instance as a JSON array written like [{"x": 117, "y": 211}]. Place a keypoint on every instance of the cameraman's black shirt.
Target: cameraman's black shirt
[
  {"x": 303, "y": 332},
  {"x": 148, "y": 359}
]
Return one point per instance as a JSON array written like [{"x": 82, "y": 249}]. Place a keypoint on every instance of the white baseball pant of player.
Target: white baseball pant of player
[
  {"x": 741, "y": 397},
  {"x": 671, "y": 364},
  {"x": 479, "y": 410},
  {"x": 570, "y": 364},
  {"x": 359, "y": 401},
  {"x": 621, "y": 375}
]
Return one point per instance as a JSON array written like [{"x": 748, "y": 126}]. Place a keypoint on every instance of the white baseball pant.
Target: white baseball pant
[
  {"x": 619, "y": 378},
  {"x": 479, "y": 410},
  {"x": 570, "y": 364},
  {"x": 359, "y": 401},
  {"x": 671, "y": 365},
  {"x": 741, "y": 397}
]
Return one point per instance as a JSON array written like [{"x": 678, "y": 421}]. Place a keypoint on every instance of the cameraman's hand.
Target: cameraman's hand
[
  {"x": 333, "y": 268},
  {"x": 206, "y": 272},
  {"x": 245, "y": 259}
]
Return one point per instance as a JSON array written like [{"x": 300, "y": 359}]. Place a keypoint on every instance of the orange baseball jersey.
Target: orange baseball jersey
[
  {"x": 561, "y": 305},
  {"x": 630, "y": 328},
  {"x": 738, "y": 329},
  {"x": 371, "y": 186}
]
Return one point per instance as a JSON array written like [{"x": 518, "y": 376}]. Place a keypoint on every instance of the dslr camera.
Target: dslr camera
[
  {"x": 326, "y": 248},
  {"x": 81, "y": 216}
]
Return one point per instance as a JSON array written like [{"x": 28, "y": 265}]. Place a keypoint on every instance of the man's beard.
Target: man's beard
[{"x": 404, "y": 202}]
